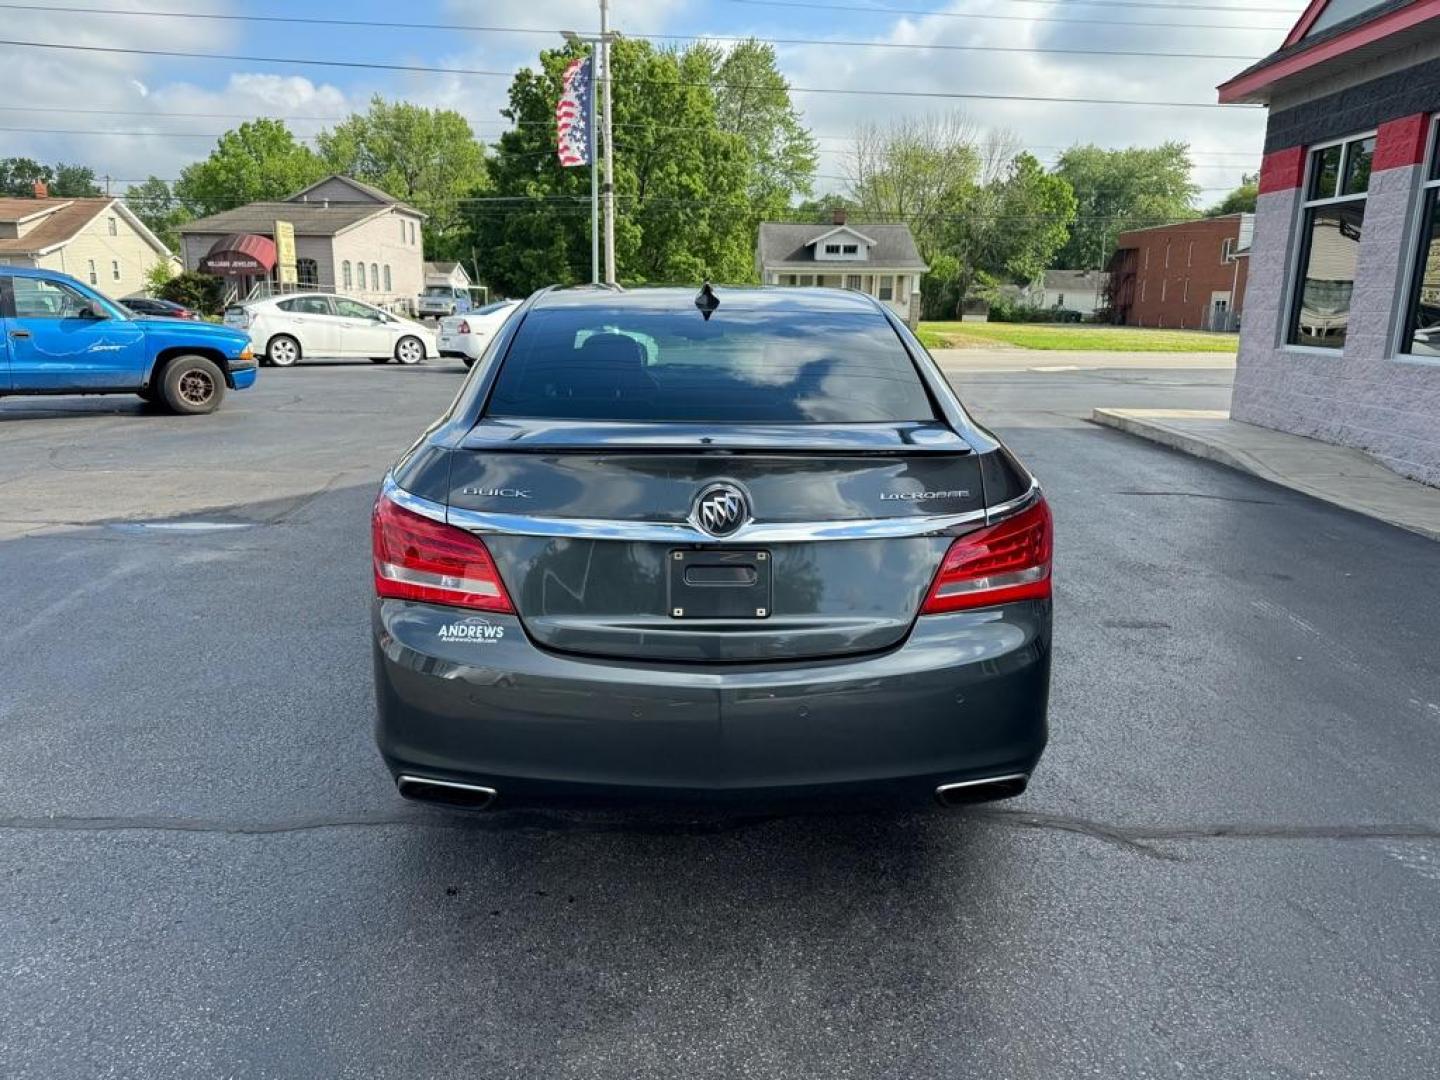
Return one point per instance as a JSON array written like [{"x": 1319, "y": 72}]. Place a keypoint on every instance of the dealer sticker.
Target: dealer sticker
[{"x": 478, "y": 630}]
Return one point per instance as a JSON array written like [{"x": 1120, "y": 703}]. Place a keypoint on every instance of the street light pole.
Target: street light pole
[{"x": 608, "y": 189}]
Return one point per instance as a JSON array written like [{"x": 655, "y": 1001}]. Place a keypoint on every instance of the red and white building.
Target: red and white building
[{"x": 1341, "y": 334}]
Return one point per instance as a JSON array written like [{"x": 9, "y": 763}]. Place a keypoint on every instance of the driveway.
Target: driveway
[{"x": 1228, "y": 864}]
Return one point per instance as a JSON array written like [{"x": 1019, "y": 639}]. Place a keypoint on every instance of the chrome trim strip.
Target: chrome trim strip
[
  {"x": 1005, "y": 509},
  {"x": 410, "y": 778},
  {"x": 416, "y": 505},
  {"x": 940, "y": 791},
  {"x": 679, "y": 532}
]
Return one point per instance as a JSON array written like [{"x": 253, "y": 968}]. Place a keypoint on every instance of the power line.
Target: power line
[
  {"x": 375, "y": 24},
  {"x": 507, "y": 124},
  {"x": 847, "y": 91},
  {"x": 930, "y": 12}
]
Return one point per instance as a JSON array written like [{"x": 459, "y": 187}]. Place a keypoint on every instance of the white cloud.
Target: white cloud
[{"x": 1225, "y": 143}]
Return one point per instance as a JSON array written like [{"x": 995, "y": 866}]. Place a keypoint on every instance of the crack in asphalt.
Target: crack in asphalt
[{"x": 1137, "y": 839}]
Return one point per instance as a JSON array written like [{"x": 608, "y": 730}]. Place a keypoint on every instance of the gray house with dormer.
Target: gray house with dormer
[{"x": 880, "y": 260}]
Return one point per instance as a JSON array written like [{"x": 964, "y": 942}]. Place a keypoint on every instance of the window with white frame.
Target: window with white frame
[
  {"x": 852, "y": 281},
  {"x": 850, "y": 249},
  {"x": 345, "y": 272},
  {"x": 885, "y": 287},
  {"x": 1422, "y": 319},
  {"x": 115, "y": 269},
  {"x": 832, "y": 249},
  {"x": 114, "y": 226},
  {"x": 1227, "y": 250},
  {"x": 1338, "y": 178},
  {"x": 94, "y": 277}
]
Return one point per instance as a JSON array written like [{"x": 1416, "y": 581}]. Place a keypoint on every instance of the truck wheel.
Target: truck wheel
[
  {"x": 409, "y": 350},
  {"x": 193, "y": 386},
  {"x": 283, "y": 351}
]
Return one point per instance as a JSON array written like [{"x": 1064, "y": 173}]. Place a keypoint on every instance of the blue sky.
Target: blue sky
[{"x": 41, "y": 83}]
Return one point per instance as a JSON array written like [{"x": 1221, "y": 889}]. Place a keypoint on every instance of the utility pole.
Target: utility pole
[
  {"x": 600, "y": 194},
  {"x": 608, "y": 189}
]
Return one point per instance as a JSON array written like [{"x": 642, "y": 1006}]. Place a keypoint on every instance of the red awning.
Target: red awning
[{"x": 240, "y": 253}]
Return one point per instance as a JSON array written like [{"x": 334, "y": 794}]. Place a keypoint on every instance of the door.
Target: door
[
  {"x": 62, "y": 339},
  {"x": 4, "y": 334},
  {"x": 363, "y": 329},
  {"x": 312, "y": 322}
]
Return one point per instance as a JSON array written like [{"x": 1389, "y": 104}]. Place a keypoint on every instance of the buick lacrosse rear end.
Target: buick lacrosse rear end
[{"x": 739, "y": 545}]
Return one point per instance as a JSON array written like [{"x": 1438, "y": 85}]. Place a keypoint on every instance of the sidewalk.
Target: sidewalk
[
  {"x": 1335, "y": 474},
  {"x": 1013, "y": 359}
]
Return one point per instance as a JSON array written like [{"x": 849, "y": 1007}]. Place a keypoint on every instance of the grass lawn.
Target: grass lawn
[{"x": 1072, "y": 336}]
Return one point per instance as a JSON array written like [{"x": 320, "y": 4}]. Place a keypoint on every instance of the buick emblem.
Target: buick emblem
[{"x": 720, "y": 509}]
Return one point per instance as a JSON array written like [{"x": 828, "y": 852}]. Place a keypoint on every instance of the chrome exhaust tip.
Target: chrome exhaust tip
[
  {"x": 988, "y": 789},
  {"x": 445, "y": 792}
]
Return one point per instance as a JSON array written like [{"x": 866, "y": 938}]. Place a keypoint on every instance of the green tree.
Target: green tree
[
  {"x": 19, "y": 174},
  {"x": 681, "y": 183},
  {"x": 1240, "y": 201},
  {"x": 1011, "y": 227},
  {"x": 916, "y": 171},
  {"x": 427, "y": 157},
  {"x": 1117, "y": 190},
  {"x": 75, "y": 182},
  {"x": 155, "y": 204},
  {"x": 752, "y": 100},
  {"x": 260, "y": 160}
]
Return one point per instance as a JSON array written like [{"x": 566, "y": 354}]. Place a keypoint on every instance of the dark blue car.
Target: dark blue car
[{"x": 59, "y": 336}]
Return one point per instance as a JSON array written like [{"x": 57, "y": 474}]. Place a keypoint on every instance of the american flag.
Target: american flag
[{"x": 572, "y": 114}]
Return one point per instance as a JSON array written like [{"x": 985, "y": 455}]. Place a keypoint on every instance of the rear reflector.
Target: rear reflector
[
  {"x": 420, "y": 559},
  {"x": 998, "y": 564}
]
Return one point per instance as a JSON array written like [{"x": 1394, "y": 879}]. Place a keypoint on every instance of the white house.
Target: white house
[
  {"x": 447, "y": 273},
  {"x": 881, "y": 260},
  {"x": 97, "y": 240}
]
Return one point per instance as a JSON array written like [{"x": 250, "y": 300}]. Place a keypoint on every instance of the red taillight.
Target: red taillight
[
  {"x": 464, "y": 327},
  {"x": 998, "y": 564},
  {"x": 420, "y": 559}
]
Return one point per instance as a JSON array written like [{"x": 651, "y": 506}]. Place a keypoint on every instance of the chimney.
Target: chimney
[
  {"x": 837, "y": 216},
  {"x": 42, "y": 189}
]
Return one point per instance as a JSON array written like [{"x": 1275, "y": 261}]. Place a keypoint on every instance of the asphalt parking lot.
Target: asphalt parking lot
[{"x": 1228, "y": 864}]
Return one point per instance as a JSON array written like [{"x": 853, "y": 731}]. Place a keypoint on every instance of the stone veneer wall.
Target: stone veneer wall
[{"x": 1368, "y": 396}]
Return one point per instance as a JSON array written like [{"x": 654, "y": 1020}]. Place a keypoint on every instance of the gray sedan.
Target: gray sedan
[{"x": 736, "y": 545}]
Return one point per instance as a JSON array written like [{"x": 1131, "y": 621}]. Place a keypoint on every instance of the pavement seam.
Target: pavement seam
[{"x": 1137, "y": 839}]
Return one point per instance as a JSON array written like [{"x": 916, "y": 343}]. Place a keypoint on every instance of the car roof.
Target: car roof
[
  {"x": 769, "y": 298},
  {"x": 35, "y": 272}
]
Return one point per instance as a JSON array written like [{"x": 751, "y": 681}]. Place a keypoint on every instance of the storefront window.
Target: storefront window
[
  {"x": 1333, "y": 223},
  {"x": 1422, "y": 327}
]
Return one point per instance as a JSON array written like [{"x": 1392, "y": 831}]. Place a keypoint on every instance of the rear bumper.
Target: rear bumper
[{"x": 964, "y": 697}]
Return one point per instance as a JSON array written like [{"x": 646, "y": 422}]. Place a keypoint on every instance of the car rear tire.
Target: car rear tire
[
  {"x": 409, "y": 350},
  {"x": 193, "y": 386},
  {"x": 283, "y": 351},
  {"x": 468, "y": 361}
]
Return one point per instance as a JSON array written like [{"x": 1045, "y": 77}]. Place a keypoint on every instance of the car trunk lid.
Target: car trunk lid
[{"x": 595, "y": 531}]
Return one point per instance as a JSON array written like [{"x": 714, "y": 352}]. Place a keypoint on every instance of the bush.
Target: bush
[
  {"x": 157, "y": 276},
  {"x": 197, "y": 291},
  {"x": 1011, "y": 311}
]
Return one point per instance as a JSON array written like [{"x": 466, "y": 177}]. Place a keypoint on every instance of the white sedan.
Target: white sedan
[
  {"x": 467, "y": 336},
  {"x": 284, "y": 329}
]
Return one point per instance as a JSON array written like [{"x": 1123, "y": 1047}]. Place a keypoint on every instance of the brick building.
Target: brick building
[
  {"x": 1188, "y": 276},
  {"x": 1341, "y": 340}
]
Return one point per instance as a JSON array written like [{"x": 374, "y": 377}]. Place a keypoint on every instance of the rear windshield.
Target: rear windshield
[{"x": 764, "y": 366}]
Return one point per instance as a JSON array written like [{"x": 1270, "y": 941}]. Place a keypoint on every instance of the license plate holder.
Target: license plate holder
[{"x": 719, "y": 584}]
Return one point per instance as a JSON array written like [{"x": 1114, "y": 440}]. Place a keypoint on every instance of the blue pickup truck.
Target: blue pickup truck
[{"x": 59, "y": 336}]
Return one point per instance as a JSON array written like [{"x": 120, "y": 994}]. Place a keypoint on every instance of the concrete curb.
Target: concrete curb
[{"x": 1334, "y": 474}]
